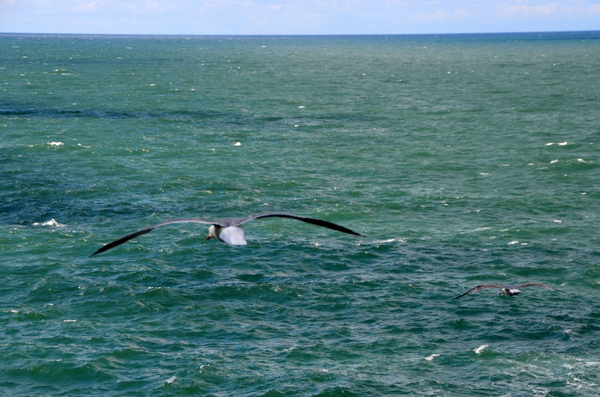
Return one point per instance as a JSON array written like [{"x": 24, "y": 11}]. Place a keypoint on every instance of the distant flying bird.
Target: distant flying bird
[
  {"x": 228, "y": 230},
  {"x": 509, "y": 290}
]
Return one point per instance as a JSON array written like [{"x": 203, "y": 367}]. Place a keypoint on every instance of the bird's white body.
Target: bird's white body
[
  {"x": 233, "y": 235},
  {"x": 510, "y": 291}
]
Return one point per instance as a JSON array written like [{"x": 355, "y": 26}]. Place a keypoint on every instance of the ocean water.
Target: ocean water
[{"x": 463, "y": 159}]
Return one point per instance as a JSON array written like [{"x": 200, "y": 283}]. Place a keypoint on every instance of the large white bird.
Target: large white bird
[
  {"x": 509, "y": 290},
  {"x": 228, "y": 230}
]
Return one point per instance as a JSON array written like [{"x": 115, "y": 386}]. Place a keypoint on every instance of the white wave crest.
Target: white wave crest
[{"x": 52, "y": 222}]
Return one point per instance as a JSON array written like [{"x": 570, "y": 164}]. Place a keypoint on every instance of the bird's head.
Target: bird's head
[{"x": 212, "y": 232}]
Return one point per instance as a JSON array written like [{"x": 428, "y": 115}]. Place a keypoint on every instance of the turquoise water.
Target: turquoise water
[{"x": 464, "y": 159}]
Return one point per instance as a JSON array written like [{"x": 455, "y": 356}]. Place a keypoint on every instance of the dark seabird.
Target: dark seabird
[
  {"x": 509, "y": 290},
  {"x": 228, "y": 230}
]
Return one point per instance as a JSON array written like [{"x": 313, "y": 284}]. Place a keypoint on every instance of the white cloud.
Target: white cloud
[
  {"x": 527, "y": 10},
  {"x": 581, "y": 7},
  {"x": 230, "y": 5},
  {"x": 7, "y": 3},
  {"x": 443, "y": 15},
  {"x": 90, "y": 7}
]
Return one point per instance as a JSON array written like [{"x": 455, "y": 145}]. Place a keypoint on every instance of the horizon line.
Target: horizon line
[{"x": 298, "y": 34}]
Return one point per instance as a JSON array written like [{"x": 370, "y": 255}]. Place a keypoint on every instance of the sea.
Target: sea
[{"x": 463, "y": 160}]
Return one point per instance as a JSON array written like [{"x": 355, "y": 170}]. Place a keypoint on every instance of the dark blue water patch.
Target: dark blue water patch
[
  {"x": 197, "y": 118},
  {"x": 56, "y": 113},
  {"x": 31, "y": 112},
  {"x": 28, "y": 209}
]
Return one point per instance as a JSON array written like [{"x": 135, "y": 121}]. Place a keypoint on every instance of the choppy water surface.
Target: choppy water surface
[{"x": 464, "y": 160}]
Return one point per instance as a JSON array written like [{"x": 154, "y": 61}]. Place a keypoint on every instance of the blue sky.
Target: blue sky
[{"x": 296, "y": 16}]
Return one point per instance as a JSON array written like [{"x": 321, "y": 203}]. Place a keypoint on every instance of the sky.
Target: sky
[{"x": 288, "y": 17}]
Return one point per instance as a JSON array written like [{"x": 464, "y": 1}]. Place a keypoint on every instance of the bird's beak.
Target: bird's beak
[{"x": 208, "y": 237}]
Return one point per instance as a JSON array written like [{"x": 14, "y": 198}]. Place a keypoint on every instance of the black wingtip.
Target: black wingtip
[
  {"x": 330, "y": 225},
  {"x": 102, "y": 249},
  {"x": 348, "y": 231},
  {"x": 123, "y": 240}
]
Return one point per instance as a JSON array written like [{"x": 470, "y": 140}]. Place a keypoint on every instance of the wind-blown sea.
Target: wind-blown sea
[{"x": 463, "y": 159}]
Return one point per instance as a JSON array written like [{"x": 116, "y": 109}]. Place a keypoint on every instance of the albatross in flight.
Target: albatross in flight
[
  {"x": 509, "y": 290},
  {"x": 228, "y": 230}
]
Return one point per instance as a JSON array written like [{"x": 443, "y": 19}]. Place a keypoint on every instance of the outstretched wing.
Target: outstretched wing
[
  {"x": 479, "y": 287},
  {"x": 318, "y": 222},
  {"x": 149, "y": 229},
  {"x": 538, "y": 285}
]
